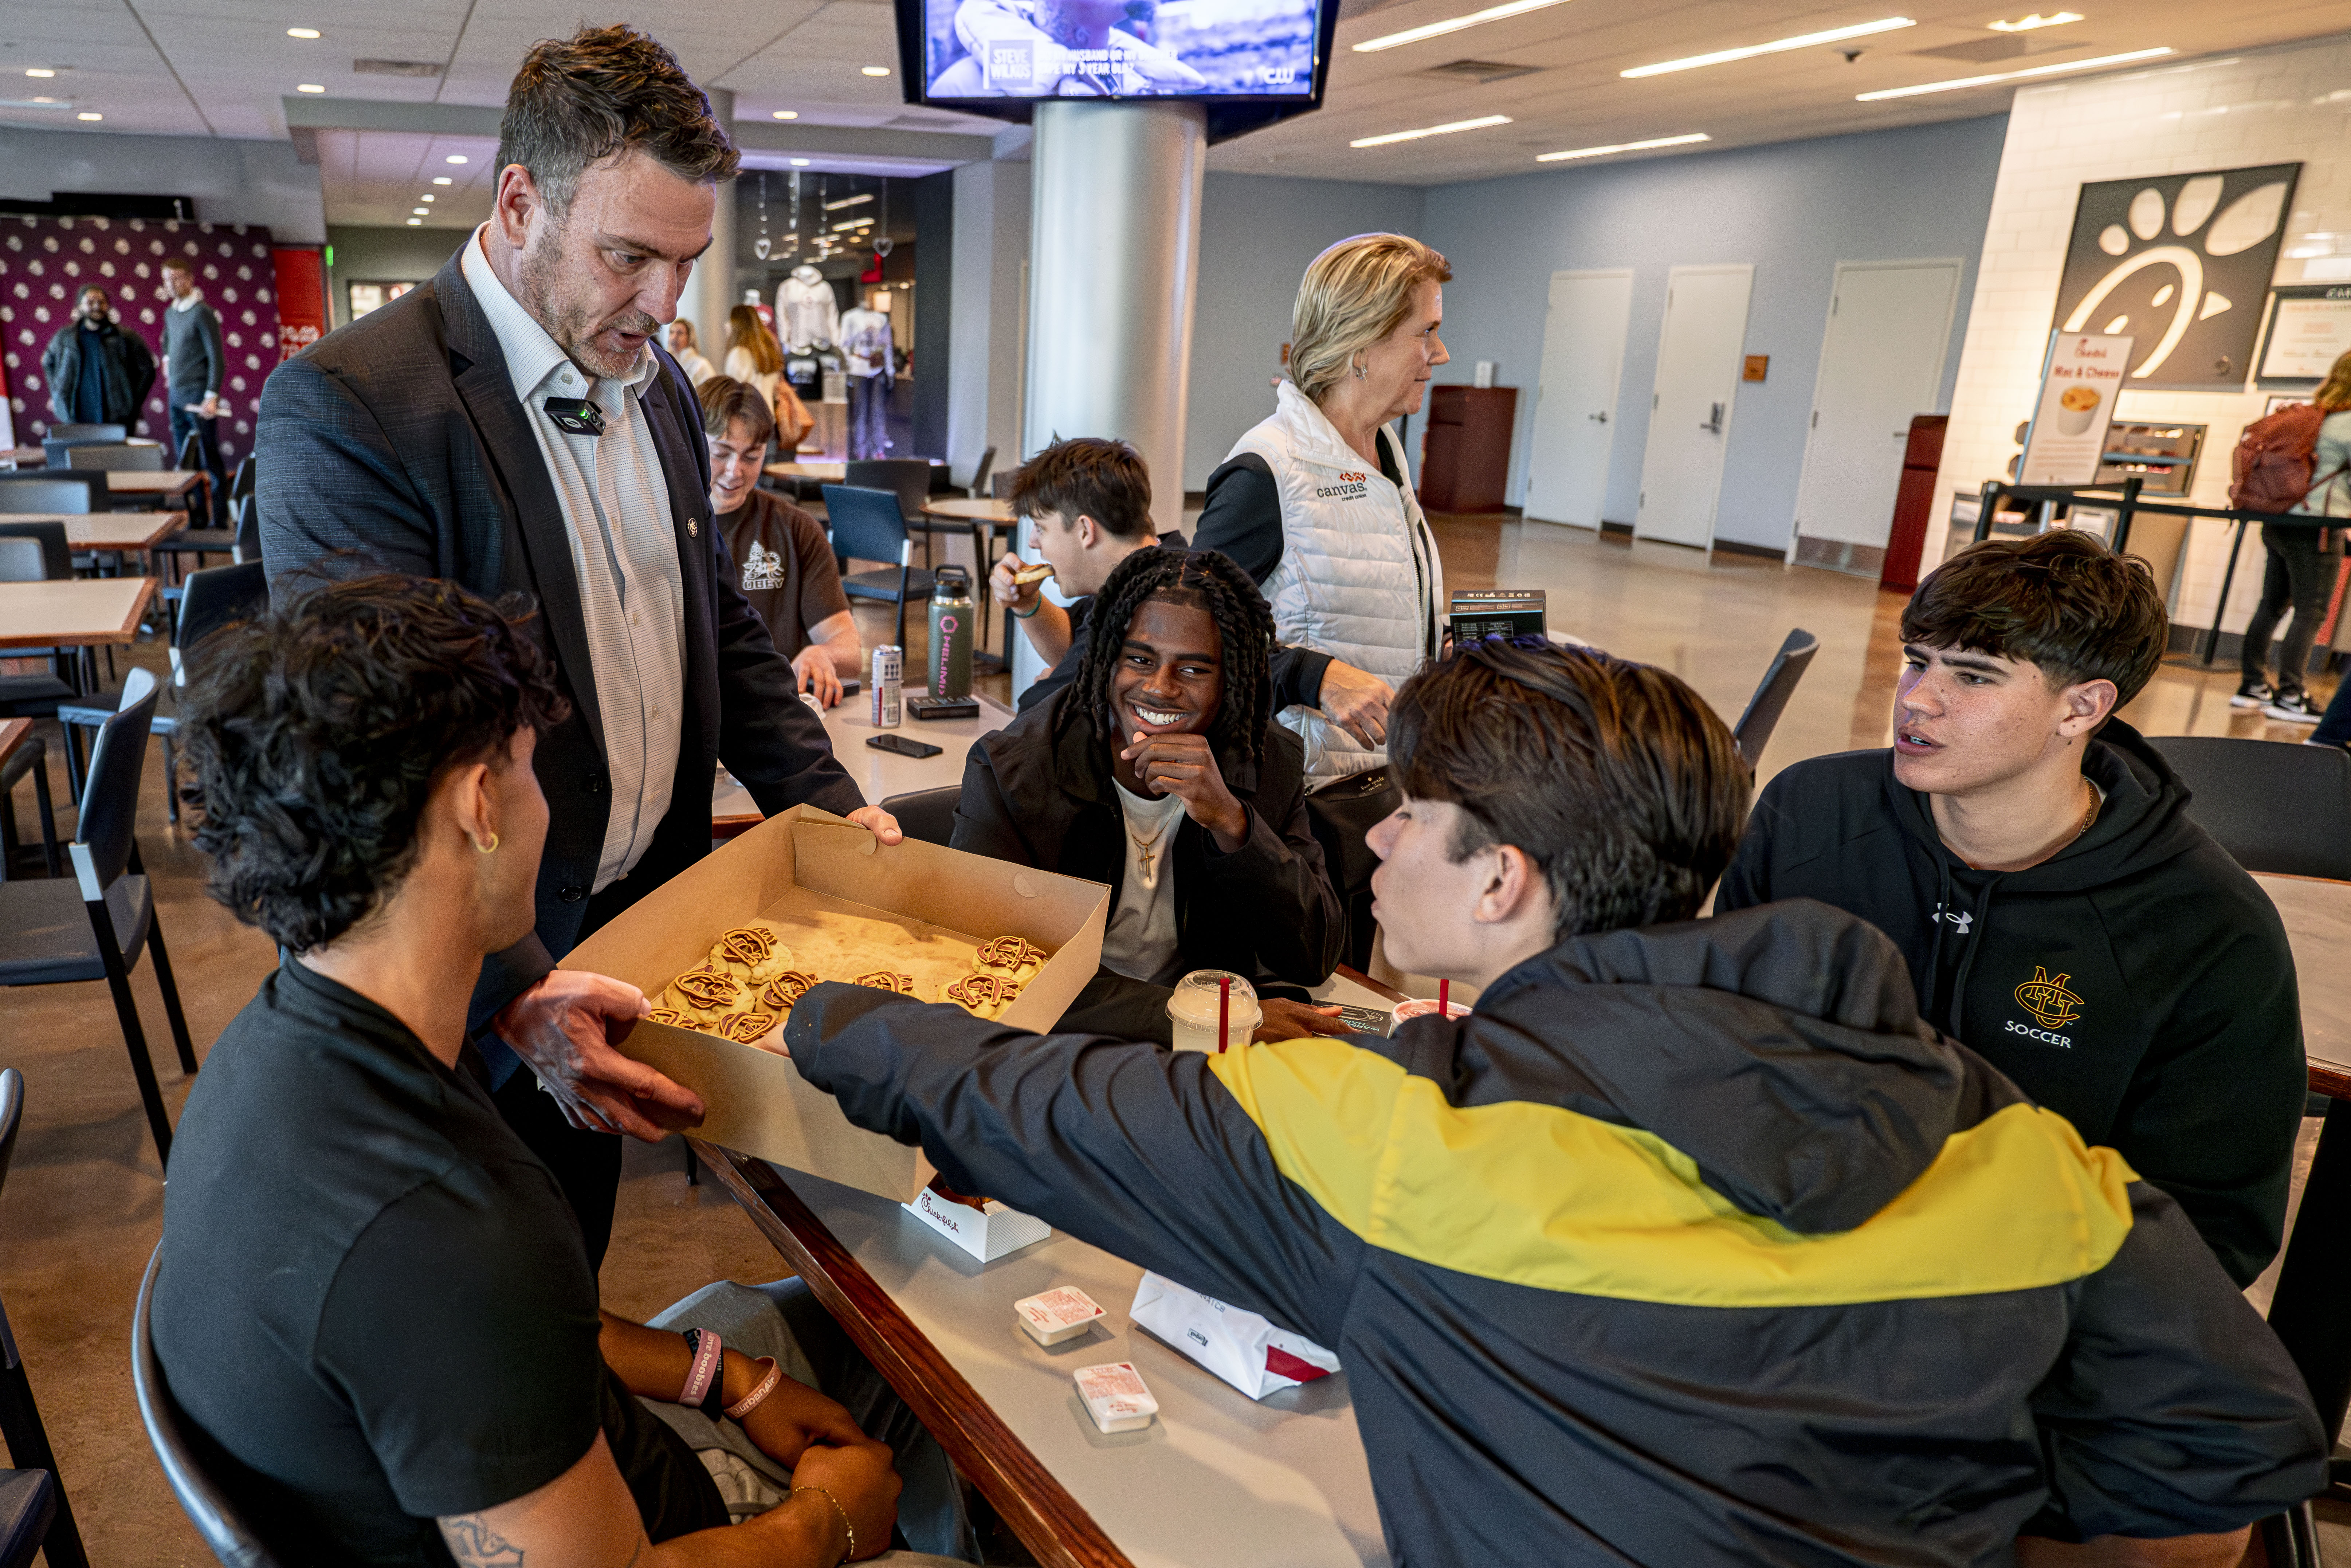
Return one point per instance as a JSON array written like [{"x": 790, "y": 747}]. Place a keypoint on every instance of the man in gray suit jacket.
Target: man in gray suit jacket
[{"x": 514, "y": 425}]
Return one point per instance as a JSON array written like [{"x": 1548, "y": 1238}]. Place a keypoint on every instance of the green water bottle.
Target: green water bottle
[{"x": 951, "y": 624}]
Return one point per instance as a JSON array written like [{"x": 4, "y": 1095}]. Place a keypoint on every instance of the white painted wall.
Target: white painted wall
[
  {"x": 2272, "y": 106},
  {"x": 232, "y": 181},
  {"x": 985, "y": 336}
]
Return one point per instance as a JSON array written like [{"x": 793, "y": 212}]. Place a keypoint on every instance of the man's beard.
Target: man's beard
[{"x": 574, "y": 324}]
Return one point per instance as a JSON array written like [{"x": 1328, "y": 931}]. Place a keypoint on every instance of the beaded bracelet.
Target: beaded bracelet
[{"x": 847, "y": 1528}]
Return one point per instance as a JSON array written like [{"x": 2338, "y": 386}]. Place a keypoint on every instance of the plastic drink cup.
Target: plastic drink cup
[
  {"x": 1424, "y": 1007},
  {"x": 1192, "y": 1012}
]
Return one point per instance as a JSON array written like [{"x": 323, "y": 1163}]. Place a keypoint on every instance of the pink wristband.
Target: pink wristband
[
  {"x": 707, "y": 1352},
  {"x": 751, "y": 1401}
]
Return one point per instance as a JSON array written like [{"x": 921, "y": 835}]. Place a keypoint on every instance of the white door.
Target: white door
[
  {"x": 1698, "y": 356},
  {"x": 1882, "y": 361},
  {"x": 1575, "y": 404}
]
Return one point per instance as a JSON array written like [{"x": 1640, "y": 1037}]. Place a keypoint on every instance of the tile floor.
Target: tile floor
[{"x": 83, "y": 1204}]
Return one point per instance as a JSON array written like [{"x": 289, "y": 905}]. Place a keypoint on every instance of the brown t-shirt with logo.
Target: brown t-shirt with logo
[{"x": 784, "y": 564}]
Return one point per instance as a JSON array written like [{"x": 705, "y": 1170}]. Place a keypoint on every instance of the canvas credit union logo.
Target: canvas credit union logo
[{"x": 2046, "y": 997}]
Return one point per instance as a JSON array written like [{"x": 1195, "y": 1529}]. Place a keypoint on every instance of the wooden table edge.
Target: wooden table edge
[
  {"x": 1377, "y": 987},
  {"x": 128, "y": 633},
  {"x": 12, "y": 732},
  {"x": 1024, "y": 1493}
]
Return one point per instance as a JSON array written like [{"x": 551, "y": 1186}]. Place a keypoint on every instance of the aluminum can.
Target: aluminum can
[{"x": 889, "y": 687}]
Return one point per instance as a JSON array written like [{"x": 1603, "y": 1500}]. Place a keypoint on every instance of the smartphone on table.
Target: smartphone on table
[{"x": 901, "y": 746}]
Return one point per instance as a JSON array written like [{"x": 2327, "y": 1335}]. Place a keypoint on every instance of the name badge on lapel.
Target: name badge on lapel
[{"x": 576, "y": 415}]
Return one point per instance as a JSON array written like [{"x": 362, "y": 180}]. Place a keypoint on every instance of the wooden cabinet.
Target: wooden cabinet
[{"x": 1466, "y": 456}]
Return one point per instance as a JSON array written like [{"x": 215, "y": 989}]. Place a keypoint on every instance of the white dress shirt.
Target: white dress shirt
[{"x": 625, "y": 550}]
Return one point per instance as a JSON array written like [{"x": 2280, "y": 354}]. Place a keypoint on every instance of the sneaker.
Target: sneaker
[
  {"x": 2292, "y": 707},
  {"x": 2253, "y": 694}
]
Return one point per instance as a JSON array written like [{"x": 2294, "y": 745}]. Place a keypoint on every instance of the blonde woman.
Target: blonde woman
[
  {"x": 688, "y": 357},
  {"x": 753, "y": 358},
  {"x": 2330, "y": 497},
  {"x": 1316, "y": 503}
]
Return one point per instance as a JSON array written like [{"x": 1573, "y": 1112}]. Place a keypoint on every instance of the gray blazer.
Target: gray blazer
[{"x": 396, "y": 444}]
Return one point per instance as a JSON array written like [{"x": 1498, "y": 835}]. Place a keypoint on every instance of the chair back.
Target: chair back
[
  {"x": 123, "y": 459},
  {"x": 1754, "y": 730},
  {"x": 71, "y": 433},
  {"x": 56, "y": 556},
  {"x": 980, "y": 474},
  {"x": 999, "y": 487},
  {"x": 866, "y": 524},
  {"x": 12, "y": 1113},
  {"x": 192, "y": 452},
  {"x": 241, "y": 483},
  {"x": 907, "y": 479},
  {"x": 1342, "y": 814},
  {"x": 2275, "y": 807},
  {"x": 928, "y": 815},
  {"x": 201, "y": 1499},
  {"x": 211, "y": 600},
  {"x": 109, "y": 799},
  {"x": 21, "y": 560},
  {"x": 244, "y": 521},
  {"x": 49, "y": 493}
]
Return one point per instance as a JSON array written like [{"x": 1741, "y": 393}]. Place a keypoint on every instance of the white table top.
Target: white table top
[
  {"x": 1217, "y": 1479},
  {"x": 882, "y": 774},
  {"x": 2318, "y": 915}
]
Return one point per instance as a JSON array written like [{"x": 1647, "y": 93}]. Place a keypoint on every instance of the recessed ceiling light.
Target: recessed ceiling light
[
  {"x": 416, "y": 223},
  {"x": 2027, "y": 24},
  {"x": 1683, "y": 141},
  {"x": 456, "y": 158},
  {"x": 874, "y": 70},
  {"x": 1454, "y": 25},
  {"x": 441, "y": 180},
  {"x": 309, "y": 87},
  {"x": 427, "y": 196},
  {"x": 848, "y": 202},
  {"x": 1956, "y": 83},
  {"x": 48, "y": 100},
  {"x": 301, "y": 32},
  {"x": 788, "y": 114},
  {"x": 42, "y": 71},
  {"x": 1777, "y": 46},
  {"x": 1478, "y": 124},
  {"x": 800, "y": 163},
  {"x": 89, "y": 114},
  {"x": 420, "y": 212}
]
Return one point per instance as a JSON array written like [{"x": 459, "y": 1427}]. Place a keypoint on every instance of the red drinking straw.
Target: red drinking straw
[
  {"x": 1223, "y": 1010},
  {"x": 1444, "y": 988}
]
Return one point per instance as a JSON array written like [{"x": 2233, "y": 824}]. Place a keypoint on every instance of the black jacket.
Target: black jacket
[
  {"x": 2138, "y": 983},
  {"x": 1691, "y": 1246},
  {"x": 128, "y": 371},
  {"x": 1036, "y": 799},
  {"x": 396, "y": 444}
]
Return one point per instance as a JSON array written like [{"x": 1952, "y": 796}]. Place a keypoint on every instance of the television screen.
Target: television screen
[{"x": 978, "y": 53}]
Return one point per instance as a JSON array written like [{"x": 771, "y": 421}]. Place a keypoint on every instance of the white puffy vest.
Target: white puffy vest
[{"x": 1359, "y": 577}]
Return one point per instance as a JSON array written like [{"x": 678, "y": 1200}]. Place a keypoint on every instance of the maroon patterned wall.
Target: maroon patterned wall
[{"x": 45, "y": 263}]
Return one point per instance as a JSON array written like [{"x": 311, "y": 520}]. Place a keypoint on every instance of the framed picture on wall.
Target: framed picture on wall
[
  {"x": 2309, "y": 329},
  {"x": 2181, "y": 264}
]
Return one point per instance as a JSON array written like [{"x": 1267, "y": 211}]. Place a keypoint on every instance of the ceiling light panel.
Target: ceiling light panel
[
  {"x": 1686, "y": 140},
  {"x": 1480, "y": 123},
  {"x": 1957, "y": 83},
  {"x": 2036, "y": 22},
  {"x": 301, "y": 32},
  {"x": 1454, "y": 25},
  {"x": 1776, "y": 46}
]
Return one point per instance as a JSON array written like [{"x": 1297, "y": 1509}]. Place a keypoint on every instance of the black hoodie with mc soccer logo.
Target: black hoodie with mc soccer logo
[{"x": 2138, "y": 983}]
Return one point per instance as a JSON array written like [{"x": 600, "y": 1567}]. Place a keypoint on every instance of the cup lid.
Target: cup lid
[{"x": 1195, "y": 996}]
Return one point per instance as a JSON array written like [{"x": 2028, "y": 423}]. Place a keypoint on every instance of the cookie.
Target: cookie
[
  {"x": 704, "y": 993},
  {"x": 752, "y": 953},
  {"x": 670, "y": 1016},
  {"x": 745, "y": 1027},
  {"x": 982, "y": 995},
  {"x": 887, "y": 980},
  {"x": 779, "y": 994},
  {"x": 1016, "y": 957}
]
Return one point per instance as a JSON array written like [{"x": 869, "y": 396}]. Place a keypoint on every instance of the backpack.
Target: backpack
[{"x": 2272, "y": 466}]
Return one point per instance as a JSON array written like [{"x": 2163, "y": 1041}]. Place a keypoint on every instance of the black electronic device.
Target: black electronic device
[
  {"x": 928, "y": 709},
  {"x": 1482, "y": 613},
  {"x": 575, "y": 415},
  {"x": 1248, "y": 62},
  {"x": 850, "y": 685},
  {"x": 901, "y": 746}
]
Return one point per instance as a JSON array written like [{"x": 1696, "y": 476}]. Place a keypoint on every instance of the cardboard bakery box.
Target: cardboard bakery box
[{"x": 819, "y": 878}]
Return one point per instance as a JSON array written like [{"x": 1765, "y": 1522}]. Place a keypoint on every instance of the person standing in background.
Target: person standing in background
[
  {"x": 1316, "y": 503},
  {"x": 193, "y": 364},
  {"x": 753, "y": 357},
  {"x": 689, "y": 359},
  {"x": 98, "y": 374},
  {"x": 2330, "y": 497}
]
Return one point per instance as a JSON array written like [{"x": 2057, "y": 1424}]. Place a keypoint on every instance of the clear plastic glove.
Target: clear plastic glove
[
  {"x": 565, "y": 1026},
  {"x": 1356, "y": 702}
]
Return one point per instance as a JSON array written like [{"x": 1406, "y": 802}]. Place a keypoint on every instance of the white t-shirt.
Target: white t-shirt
[{"x": 1141, "y": 941}]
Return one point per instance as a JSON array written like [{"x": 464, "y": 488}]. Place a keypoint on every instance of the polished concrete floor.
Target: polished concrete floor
[{"x": 83, "y": 1203}]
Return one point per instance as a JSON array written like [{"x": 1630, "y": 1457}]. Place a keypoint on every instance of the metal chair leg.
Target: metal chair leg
[
  {"x": 48, "y": 818},
  {"x": 171, "y": 781},
  {"x": 28, "y": 1448},
  {"x": 126, "y": 1009},
  {"x": 171, "y": 990}
]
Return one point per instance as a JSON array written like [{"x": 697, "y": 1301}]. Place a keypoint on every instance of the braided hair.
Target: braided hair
[{"x": 1205, "y": 579}]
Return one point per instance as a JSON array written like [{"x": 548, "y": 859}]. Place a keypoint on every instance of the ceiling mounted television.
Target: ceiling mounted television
[{"x": 1249, "y": 62}]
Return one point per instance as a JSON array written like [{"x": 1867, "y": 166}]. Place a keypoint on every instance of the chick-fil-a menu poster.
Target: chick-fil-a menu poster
[{"x": 2068, "y": 438}]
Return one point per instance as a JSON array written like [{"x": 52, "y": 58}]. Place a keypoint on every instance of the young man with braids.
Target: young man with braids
[
  {"x": 1159, "y": 770},
  {"x": 1693, "y": 1244}
]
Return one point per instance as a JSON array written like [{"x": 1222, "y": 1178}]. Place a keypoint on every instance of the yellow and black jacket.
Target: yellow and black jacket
[{"x": 1692, "y": 1247}]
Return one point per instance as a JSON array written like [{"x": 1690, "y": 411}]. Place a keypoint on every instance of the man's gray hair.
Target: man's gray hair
[{"x": 604, "y": 91}]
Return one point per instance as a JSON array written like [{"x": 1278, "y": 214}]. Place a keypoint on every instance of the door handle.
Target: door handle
[
  {"x": 1714, "y": 423},
  {"x": 1601, "y": 418}
]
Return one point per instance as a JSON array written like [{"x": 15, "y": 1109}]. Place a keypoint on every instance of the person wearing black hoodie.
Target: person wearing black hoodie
[
  {"x": 1692, "y": 1244},
  {"x": 2038, "y": 865}
]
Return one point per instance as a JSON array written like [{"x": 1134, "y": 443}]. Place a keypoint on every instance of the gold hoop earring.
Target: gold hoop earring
[{"x": 489, "y": 849}]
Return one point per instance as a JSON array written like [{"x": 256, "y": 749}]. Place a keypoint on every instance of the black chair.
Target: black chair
[
  {"x": 42, "y": 943},
  {"x": 209, "y": 601},
  {"x": 927, "y": 814},
  {"x": 54, "y": 446},
  {"x": 2275, "y": 807},
  {"x": 240, "y": 541},
  {"x": 30, "y": 759},
  {"x": 1754, "y": 730},
  {"x": 208, "y": 1508},
  {"x": 71, "y": 433},
  {"x": 1343, "y": 812},
  {"x": 977, "y": 488},
  {"x": 909, "y": 479},
  {"x": 35, "y": 1513},
  {"x": 867, "y": 526},
  {"x": 123, "y": 458},
  {"x": 71, "y": 495},
  {"x": 36, "y": 552}
]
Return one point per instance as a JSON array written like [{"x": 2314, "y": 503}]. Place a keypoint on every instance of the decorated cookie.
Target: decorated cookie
[
  {"x": 887, "y": 980},
  {"x": 745, "y": 1027},
  {"x": 703, "y": 991},
  {"x": 751, "y": 953},
  {"x": 1014, "y": 957},
  {"x": 785, "y": 990},
  {"x": 983, "y": 995},
  {"x": 670, "y": 1016}
]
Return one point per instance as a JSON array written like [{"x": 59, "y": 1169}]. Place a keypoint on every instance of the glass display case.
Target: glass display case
[{"x": 2161, "y": 454}]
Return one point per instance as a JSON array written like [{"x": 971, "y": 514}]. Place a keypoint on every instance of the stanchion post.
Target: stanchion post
[
  {"x": 1987, "y": 502},
  {"x": 2228, "y": 580},
  {"x": 2123, "y": 514}
]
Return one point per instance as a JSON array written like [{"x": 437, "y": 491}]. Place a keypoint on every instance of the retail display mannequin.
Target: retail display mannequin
[
  {"x": 807, "y": 306},
  {"x": 867, "y": 349}
]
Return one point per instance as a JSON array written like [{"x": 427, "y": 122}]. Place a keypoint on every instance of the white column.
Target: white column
[{"x": 710, "y": 292}]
